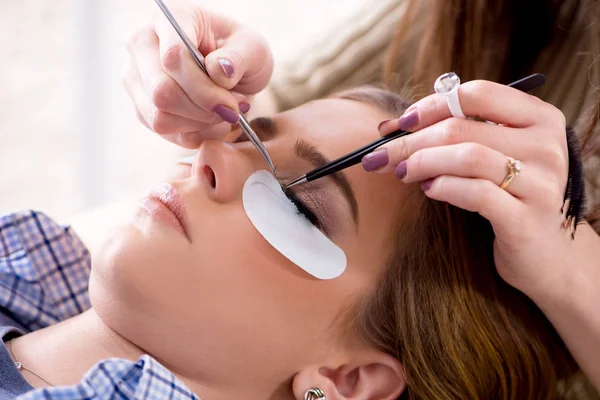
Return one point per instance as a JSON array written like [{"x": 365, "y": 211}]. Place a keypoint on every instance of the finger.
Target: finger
[
  {"x": 508, "y": 141},
  {"x": 178, "y": 63},
  {"x": 164, "y": 93},
  {"x": 242, "y": 101},
  {"x": 160, "y": 122},
  {"x": 487, "y": 100},
  {"x": 193, "y": 140},
  {"x": 140, "y": 118},
  {"x": 481, "y": 196},
  {"x": 472, "y": 160},
  {"x": 243, "y": 61},
  {"x": 169, "y": 38}
]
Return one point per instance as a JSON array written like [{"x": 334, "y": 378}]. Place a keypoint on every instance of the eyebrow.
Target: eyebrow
[{"x": 266, "y": 128}]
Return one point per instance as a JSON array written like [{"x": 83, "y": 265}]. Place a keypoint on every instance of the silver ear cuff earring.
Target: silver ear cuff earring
[{"x": 314, "y": 394}]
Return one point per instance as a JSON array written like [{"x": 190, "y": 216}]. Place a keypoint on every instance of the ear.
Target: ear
[{"x": 371, "y": 375}]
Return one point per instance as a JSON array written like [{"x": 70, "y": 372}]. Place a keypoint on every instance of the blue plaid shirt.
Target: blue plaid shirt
[{"x": 44, "y": 273}]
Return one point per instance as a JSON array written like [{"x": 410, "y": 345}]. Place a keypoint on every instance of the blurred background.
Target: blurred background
[{"x": 70, "y": 141}]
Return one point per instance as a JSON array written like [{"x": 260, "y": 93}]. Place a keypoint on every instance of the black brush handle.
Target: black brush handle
[
  {"x": 525, "y": 85},
  {"x": 354, "y": 157},
  {"x": 529, "y": 83}
]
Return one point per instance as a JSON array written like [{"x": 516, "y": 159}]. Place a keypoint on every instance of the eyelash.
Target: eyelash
[{"x": 303, "y": 208}]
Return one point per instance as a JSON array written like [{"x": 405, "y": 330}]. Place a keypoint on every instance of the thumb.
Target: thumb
[
  {"x": 172, "y": 49},
  {"x": 236, "y": 56},
  {"x": 242, "y": 61}
]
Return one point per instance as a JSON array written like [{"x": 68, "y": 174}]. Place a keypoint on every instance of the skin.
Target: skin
[{"x": 221, "y": 309}]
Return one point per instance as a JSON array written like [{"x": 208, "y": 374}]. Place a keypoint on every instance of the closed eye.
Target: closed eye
[
  {"x": 319, "y": 214},
  {"x": 303, "y": 209}
]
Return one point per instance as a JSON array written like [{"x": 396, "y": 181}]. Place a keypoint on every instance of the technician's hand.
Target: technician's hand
[
  {"x": 464, "y": 162},
  {"x": 173, "y": 97}
]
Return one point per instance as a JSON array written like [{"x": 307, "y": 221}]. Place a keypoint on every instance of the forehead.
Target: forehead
[{"x": 336, "y": 127}]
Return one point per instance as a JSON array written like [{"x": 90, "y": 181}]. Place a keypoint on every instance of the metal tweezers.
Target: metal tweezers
[{"x": 199, "y": 58}]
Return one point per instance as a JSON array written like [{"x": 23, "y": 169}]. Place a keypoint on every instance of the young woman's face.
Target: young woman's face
[{"x": 217, "y": 297}]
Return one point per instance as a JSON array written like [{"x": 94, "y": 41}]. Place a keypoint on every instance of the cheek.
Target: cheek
[{"x": 254, "y": 295}]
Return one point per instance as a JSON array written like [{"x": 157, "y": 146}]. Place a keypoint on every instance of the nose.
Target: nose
[{"x": 222, "y": 169}]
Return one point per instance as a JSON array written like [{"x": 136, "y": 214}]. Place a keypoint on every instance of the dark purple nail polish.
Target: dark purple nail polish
[
  {"x": 226, "y": 114},
  {"x": 244, "y": 107},
  {"x": 408, "y": 120},
  {"x": 382, "y": 122},
  {"x": 426, "y": 185},
  {"x": 401, "y": 170},
  {"x": 375, "y": 160},
  {"x": 226, "y": 66}
]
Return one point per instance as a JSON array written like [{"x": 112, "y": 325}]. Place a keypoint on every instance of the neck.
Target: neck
[{"x": 62, "y": 353}]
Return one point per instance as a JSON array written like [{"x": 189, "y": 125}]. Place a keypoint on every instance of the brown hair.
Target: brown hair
[
  {"x": 502, "y": 41},
  {"x": 497, "y": 40},
  {"x": 441, "y": 308}
]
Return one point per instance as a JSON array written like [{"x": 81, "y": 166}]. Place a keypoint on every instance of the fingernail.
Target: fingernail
[
  {"x": 401, "y": 170},
  {"x": 244, "y": 107},
  {"x": 226, "y": 66},
  {"x": 375, "y": 160},
  {"x": 226, "y": 114},
  {"x": 408, "y": 120},
  {"x": 426, "y": 185},
  {"x": 382, "y": 122}
]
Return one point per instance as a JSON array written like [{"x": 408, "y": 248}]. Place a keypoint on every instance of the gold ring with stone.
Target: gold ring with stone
[{"x": 514, "y": 168}]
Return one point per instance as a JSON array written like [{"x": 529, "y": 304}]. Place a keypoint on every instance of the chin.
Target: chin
[
  {"x": 142, "y": 268},
  {"x": 125, "y": 261},
  {"x": 135, "y": 284},
  {"x": 115, "y": 253},
  {"x": 125, "y": 281}
]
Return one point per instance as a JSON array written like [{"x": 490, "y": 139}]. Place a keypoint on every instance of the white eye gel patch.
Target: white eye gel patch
[
  {"x": 187, "y": 160},
  {"x": 277, "y": 219}
]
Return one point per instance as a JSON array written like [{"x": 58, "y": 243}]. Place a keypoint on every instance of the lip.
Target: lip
[{"x": 165, "y": 205}]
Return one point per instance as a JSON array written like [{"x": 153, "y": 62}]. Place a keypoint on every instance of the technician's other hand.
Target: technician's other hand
[
  {"x": 172, "y": 96},
  {"x": 464, "y": 163}
]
